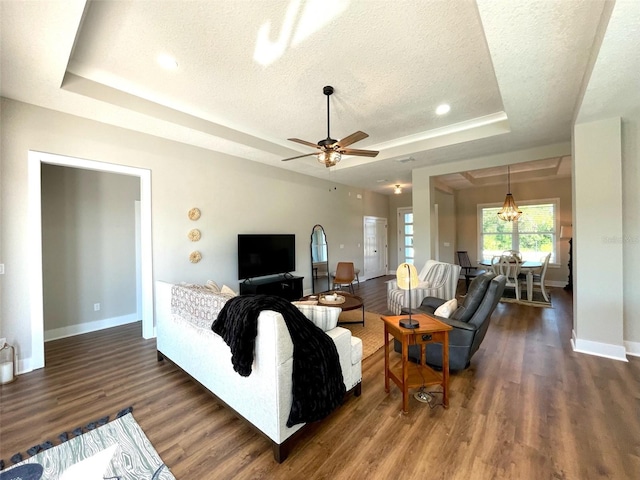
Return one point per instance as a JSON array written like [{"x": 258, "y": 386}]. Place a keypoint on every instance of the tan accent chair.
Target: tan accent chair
[{"x": 345, "y": 275}]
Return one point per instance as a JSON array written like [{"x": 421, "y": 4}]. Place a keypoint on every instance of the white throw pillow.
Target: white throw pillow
[
  {"x": 228, "y": 291},
  {"x": 447, "y": 308},
  {"x": 324, "y": 317},
  {"x": 213, "y": 286}
]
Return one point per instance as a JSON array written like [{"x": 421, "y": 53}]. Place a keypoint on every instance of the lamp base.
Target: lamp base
[{"x": 408, "y": 322}]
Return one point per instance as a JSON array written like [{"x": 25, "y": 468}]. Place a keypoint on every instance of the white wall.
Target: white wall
[
  {"x": 597, "y": 238},
  {"x": 631, "y": 229},
  {"x": 234, "y": 195},
  {"x": 446, "y": 226},
  {"x": 88, "y": 247}
]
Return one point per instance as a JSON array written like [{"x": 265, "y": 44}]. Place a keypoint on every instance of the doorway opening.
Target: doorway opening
[{"x": 34, "y": 174}]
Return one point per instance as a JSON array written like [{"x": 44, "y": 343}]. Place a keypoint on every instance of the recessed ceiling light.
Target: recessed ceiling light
[
  {"x": 442, "y": 109},
  {"x": 167, "y": 61}
]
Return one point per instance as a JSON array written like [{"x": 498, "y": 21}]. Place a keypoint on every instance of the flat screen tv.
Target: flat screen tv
[{"x": 260, "y": 255}]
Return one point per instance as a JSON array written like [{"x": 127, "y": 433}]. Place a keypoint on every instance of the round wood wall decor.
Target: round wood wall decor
[
  {"x": 194, "y": 235},
  {"x": 194, "y": 213},
  {"x": 195, "y": 257}
]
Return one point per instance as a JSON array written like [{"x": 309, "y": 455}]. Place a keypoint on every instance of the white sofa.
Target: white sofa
[
  {"x": 437, "y": 279},
  {"x": 264, "y": 398}
]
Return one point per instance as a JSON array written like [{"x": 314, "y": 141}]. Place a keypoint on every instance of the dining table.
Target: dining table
[{"x": 528, "y": 267}]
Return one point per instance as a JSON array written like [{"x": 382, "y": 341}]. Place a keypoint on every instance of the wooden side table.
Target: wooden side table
[{"x": 407, "y": 374}]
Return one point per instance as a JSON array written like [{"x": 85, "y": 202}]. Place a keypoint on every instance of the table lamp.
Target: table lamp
[{"x": 407, "y": 276}]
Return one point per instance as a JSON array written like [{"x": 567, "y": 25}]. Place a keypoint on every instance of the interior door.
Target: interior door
[{"x": 375, "y": 247}]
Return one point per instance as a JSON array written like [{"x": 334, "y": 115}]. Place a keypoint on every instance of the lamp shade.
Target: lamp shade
[
  {"x": 407, "y": 276},
  {"x": 566, "y": 232}
]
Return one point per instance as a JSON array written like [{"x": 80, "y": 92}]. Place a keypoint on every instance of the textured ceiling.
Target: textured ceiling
[{"x": 250, "y": 74}]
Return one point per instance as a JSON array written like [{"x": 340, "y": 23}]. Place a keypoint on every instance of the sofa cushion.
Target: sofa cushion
[
  {"x": 323, "y": 317},
  {"x": 447, "y": 308},
  {"x": 474, "y": 297},
  {"x": 356, "y": 350}
]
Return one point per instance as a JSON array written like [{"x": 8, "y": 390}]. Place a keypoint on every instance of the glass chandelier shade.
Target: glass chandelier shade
[
  {"x": 509, "y": 211},
  {"x": 329, "y": 158}
]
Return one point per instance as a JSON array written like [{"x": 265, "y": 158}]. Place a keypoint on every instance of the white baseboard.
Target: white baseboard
[
  {"x": 633, "y": 348},
  {"x": 71, "y": 330},
  {"x": 606, "y": 350}
]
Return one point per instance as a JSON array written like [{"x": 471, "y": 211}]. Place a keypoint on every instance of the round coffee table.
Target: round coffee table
[{"x": 351, "y": 302}]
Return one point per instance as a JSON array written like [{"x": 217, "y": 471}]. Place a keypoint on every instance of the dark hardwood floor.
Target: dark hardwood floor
[{"x": 528, "y": 407}]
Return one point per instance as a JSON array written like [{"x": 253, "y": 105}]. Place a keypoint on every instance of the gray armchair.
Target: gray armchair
[{"x": 470, "y": 322}]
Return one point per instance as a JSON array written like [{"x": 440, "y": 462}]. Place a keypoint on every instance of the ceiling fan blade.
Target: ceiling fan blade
[
  {"x": 359, "y": 153},
  {"x": 299, "y": 156},
  {"x": 353, "y": 138},
  {"x": 303, "y": 142}
]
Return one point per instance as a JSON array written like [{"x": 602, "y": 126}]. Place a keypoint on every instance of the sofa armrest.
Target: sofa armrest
[
  {"x": 462, "y": 332},
  {"x": 457, "y": 323},
  {"x": 432, "y": 302}
]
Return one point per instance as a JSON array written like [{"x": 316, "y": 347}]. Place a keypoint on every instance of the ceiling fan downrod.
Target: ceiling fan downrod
[{"x": 328, "y": 91}]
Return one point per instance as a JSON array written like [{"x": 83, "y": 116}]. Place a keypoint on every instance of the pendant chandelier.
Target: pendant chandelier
[{"x": 510, "y": 210}]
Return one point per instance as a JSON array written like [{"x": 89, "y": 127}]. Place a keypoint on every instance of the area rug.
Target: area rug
[
  {"x": 509, "y": 296},
  {"x": 371, "y": 334},
  {"x": 115, "y": 450}
]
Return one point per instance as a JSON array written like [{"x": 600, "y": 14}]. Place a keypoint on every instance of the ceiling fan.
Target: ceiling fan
[{"x": 330, "y": 150}]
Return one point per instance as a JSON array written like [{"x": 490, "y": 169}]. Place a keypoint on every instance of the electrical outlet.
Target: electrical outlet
[{"x": 96, "y": 307}]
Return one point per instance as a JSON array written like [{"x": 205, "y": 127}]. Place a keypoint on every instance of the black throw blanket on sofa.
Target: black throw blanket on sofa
[{"x": 318, "y": 387}]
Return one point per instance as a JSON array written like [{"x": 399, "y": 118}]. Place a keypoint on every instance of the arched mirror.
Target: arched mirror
[{"x": 319, "y": 260}]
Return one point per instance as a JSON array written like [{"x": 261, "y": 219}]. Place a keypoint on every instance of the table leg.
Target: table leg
[
  {"x": 445, "y": 370},
  {"x": 530, "y": 285},
  {"x": 405, "y": 374},
  {"x": 363, "y": 316},
  {"x": 386, "y": 359}
]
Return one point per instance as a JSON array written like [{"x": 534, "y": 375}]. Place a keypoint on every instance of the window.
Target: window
[
  {"x": 405, "y": 235},
  {"x": 533, "y": 235}
]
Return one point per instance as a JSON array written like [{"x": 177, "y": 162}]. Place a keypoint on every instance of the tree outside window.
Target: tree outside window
[{"x": 533, "y": 234}]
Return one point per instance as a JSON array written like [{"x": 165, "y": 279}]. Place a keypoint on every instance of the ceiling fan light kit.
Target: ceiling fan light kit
[{"x": 331, "y": 150}]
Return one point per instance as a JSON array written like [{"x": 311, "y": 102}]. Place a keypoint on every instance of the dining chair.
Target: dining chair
[
  {"x": 538, "y": 278},
  {"x": 468, "y": 270},
  {"x": 509, "y": 266},
  {"x": 345, "y": 275}
]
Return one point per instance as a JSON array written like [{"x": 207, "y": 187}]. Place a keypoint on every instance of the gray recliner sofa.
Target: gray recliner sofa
[{"x": 470, "y": 322}]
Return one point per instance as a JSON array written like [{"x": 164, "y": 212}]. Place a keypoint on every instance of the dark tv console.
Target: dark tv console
[{"x": 285, "y": 286}]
